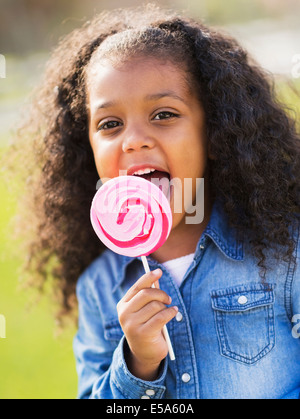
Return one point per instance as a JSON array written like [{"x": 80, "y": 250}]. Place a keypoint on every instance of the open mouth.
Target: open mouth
[
  {"x": 158, "y": 178},
  {"x": 156, "y": 174}
]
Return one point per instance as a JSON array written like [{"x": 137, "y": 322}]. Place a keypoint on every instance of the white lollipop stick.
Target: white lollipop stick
[{"x": 165, "y": 330}]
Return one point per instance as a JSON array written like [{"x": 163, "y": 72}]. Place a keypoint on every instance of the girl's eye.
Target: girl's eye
[
  {"x": 165, "y": 115},
  {"x": 109, "y": 125}
]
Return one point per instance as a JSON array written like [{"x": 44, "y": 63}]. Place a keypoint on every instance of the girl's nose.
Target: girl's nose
[{"x": 136, "y": 140}]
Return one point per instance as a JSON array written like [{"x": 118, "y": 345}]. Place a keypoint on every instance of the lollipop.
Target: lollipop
[{"x": 132, "y": 217}]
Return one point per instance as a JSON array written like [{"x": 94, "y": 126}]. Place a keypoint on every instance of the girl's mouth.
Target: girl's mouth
[{"x": 160, "y": 179}]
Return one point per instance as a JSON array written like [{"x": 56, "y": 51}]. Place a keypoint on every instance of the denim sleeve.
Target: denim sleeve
[
  {"x": 101, "y": 367},
  {"x": 296, "y": 284},
  {"x": 296, "y": 311}
]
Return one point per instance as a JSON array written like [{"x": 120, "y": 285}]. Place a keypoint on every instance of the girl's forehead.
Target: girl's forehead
[{"x": 98, "y": 69}]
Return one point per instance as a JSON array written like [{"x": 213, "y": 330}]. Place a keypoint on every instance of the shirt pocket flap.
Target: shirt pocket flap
[
  {"x": 243, "y": 298},
  {"x": 113, "y": 330}
]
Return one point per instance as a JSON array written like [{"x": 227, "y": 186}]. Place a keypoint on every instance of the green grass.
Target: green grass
[{"x": 34, "y": 363}]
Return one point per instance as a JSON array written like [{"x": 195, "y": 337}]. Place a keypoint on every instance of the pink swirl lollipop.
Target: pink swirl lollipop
[{"x": 131, "y": 216}]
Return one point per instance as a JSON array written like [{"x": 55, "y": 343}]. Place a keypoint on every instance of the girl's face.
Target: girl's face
[{"x": 143, "y": 114}]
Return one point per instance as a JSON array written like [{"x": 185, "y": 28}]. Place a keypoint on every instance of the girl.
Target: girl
[{"x": 147, "y": 89}]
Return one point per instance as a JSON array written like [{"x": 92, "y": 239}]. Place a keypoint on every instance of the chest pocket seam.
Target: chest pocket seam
[
  {"x": 230, "y": 302},
  {"x": 245, "y": 327}
]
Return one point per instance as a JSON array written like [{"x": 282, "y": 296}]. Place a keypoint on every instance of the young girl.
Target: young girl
[{"x": 146, "y": 89}]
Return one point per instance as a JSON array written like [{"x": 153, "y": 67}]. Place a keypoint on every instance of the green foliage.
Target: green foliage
[{"x": 288, "y": 93}]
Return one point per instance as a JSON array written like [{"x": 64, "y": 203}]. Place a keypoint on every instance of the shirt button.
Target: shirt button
[
  {"x": 201, "y": 246},
  {"x": 179, "y": 316},
  {"x": 186, "y": 377},
  {"x": 145, "y": 397},
  {"x": 243, "y": 300},
  {"x": 150, "y": 392}
]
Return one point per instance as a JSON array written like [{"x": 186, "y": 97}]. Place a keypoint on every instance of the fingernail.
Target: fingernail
[{"x": 157, "y": 271}]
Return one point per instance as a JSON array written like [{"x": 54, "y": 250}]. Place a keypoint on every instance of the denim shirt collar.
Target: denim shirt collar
[
  {"x": 224, "y": 236},
  {"x": 218, "y": 230}
]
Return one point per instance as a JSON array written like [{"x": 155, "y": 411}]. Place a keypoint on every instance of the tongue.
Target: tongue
[
  {"x": 160, "y": 179},
  {"x": 156, "y": 175}
]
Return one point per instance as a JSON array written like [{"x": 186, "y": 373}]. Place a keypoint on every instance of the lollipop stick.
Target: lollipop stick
[{"x": 165, "y": 330}]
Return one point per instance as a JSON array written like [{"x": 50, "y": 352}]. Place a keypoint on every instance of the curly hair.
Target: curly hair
[{"x": 255, "y": 167}]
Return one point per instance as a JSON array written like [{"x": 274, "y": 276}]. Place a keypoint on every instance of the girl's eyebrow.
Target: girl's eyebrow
[
  {"x": 148, "y": 98},
  {"x": 161, "y": 95},
  {"x": 105, "y": 105}
]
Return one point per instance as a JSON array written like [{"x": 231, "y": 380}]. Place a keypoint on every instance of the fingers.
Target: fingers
[
  {"x": 149, "y": 310},
  {"x": 143, "y": 282},
  {"x": 163, "y": 317},
  {"x": 148, "y": 325},
  {"x": 142, "y": 301},
  {"x": 146, "y": 296}
]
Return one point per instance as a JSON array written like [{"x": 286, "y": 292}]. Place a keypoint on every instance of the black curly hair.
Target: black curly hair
[{"x": 254, "y": 143}]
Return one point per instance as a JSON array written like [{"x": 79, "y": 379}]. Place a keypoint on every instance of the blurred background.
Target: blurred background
[{"x": 35, "y": 362}]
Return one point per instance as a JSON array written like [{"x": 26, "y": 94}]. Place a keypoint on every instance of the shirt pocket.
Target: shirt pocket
[
  {"x": 244, "y": 317},
  {"x": 113, "y": 331}
]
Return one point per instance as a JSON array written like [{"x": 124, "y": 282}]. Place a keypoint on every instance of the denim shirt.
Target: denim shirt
[{"x": 235, "y": 336}]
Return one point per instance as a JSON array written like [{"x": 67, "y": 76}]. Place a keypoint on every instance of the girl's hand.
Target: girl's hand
[{"x": 142, "y": 314}]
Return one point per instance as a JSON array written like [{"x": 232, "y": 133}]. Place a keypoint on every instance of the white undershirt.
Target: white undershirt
[{"x": 178, "y": 267}]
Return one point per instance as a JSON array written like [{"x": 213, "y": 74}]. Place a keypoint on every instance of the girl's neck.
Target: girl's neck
[{"x": 183, "y": 239}]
